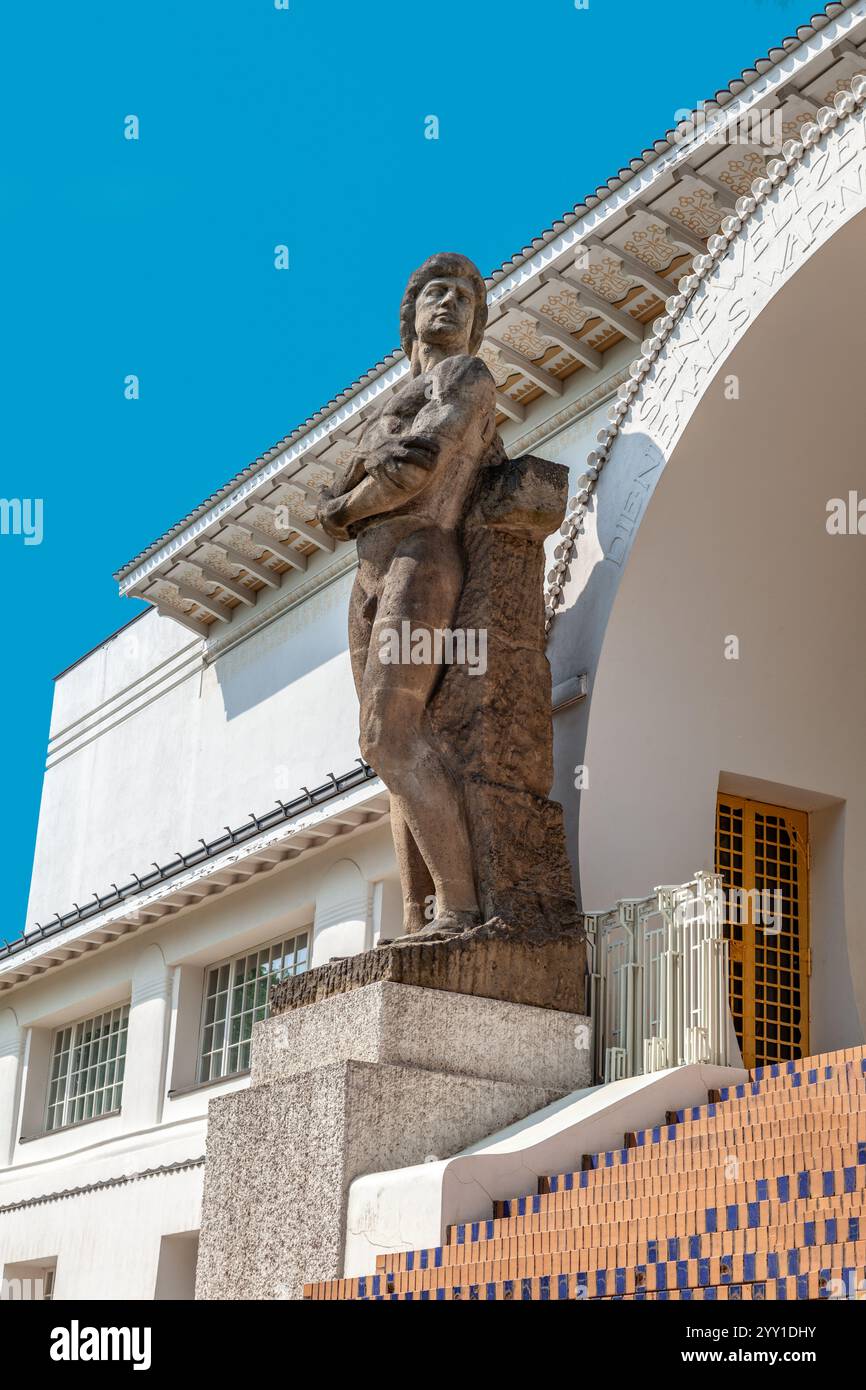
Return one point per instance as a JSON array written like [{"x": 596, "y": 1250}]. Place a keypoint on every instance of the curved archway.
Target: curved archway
[
  {"x": 734, "y": 544},
  {"x": 811, "y": 197}
]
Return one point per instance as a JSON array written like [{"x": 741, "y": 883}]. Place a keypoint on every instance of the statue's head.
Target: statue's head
[{"x": 445, "y": 303}]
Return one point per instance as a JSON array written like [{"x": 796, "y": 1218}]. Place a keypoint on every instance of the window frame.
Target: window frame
[
  {"x": 231, "y": 962},
  {"x": 70, "y": 1070},
  {"x": 41, "y": 1272}
]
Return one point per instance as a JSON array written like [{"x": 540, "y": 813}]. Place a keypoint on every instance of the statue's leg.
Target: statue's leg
[
  {"x": 362, "y": 614},
  {"x": 422, "y": 588},
  {"x": 415, "y": 878}
]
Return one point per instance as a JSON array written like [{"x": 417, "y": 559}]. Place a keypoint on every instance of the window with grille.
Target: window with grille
[
  {"x": 236, "y": 997},
  {"x": 762, "y": 855},
  {"x": 87, "y": 1062}
]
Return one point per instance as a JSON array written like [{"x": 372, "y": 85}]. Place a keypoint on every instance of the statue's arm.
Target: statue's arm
[
  {"x": 347, "y": 479},
  {"x": 397, "y": 471},
  {"x": 350, "y": 475},
  {"x": 461, "y": 405}
]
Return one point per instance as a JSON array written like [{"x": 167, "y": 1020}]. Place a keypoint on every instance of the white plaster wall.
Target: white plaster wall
[
  {"x": 262, "y": 909},
  {"x": 107, "y": 1242},
  {"x": 153, "y": 749}
]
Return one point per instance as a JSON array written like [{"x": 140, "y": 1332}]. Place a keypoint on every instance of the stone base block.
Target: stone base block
[
  {"x": 280, "y": 1159},
  {"x": 489, "y": 962},
  {"x": 436, "y": 1072},
  {"x": 407, "y": 1026}
]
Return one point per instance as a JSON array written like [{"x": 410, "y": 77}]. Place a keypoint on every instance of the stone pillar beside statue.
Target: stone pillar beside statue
[{"x": 497, "y": 728}]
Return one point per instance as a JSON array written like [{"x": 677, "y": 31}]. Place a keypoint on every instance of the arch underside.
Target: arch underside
[{"x": 710, "y": 524}]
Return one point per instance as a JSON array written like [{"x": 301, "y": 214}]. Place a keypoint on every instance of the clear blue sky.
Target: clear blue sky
[{"x": 261, "y": 126}]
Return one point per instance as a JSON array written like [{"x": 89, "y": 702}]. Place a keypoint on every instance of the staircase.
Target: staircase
[{"x": 759, "y": 1194}]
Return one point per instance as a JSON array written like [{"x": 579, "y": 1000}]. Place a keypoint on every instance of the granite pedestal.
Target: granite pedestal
[{"x": 378, "y": 1077}]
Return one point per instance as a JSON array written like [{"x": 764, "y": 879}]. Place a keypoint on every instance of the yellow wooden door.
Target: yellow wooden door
[{"x": 762, "y": 854}]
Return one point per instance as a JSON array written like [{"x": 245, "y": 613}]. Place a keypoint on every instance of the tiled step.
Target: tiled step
[
  {"x": 682, "y": 1221},
  {"x": 666, "y": 1210},
  {"x": 815, "y": 1080},
  {"x": 787, "y": 1248},
  {"x": 680, "y": 1149},
  {"x": 738, "y": 1117},
  {"x": 740, "y": 1223},
  {"x": 840, "y": 1095},
  {"x": 765, "y": 1226},
  {"x": 629, "y": 1278},
  {"x": 796, "y": 1169},
  {"x": 843, "y": 1094},
  {"x": 813, "y": 1285},
  {"x": 759, "y": 1194},
  {"x": 680, "y": 1162},
  {"x": 733, "y": 1219},
  {"x": 792, "y": 1289},
  {"x": 816, "y": 1062},
  {"x": 753, "y": 1098}
]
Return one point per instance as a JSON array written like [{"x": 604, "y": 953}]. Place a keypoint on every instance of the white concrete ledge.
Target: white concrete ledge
[{"x": 411, "y": 1208}]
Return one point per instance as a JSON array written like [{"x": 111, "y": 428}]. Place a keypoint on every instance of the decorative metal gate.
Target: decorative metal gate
[{"x": 659, "y": 980}]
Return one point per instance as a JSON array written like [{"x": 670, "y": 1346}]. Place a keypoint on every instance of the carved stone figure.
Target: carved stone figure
[
  {"x": 447, "y": 640},
  {"x": 446, "y": 627}
]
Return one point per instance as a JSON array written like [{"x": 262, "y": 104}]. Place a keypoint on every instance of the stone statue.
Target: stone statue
[
  {"x": 455, "y": 719},
  {"x": 447, "y": 638}
]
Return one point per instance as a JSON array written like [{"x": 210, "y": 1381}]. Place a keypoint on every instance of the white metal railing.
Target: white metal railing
[{"x": 658, "y": 972}]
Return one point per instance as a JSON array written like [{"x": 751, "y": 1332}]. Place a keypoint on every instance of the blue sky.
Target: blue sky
[{"x": 261, "y": 126}]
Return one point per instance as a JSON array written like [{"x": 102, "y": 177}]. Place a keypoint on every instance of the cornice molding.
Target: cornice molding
[
  {"x": 164, "y": 1170},
  {"x": 829, "y": 124},
  {"x": 138, "y": 912}
]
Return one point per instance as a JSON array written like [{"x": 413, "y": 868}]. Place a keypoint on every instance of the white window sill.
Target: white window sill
[
  {"x": 196, "y": 1086},
  {"x": 64, "y": 1129}
]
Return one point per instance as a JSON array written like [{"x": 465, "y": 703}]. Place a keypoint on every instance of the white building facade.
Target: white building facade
[{"x": 207, "y": 824}]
